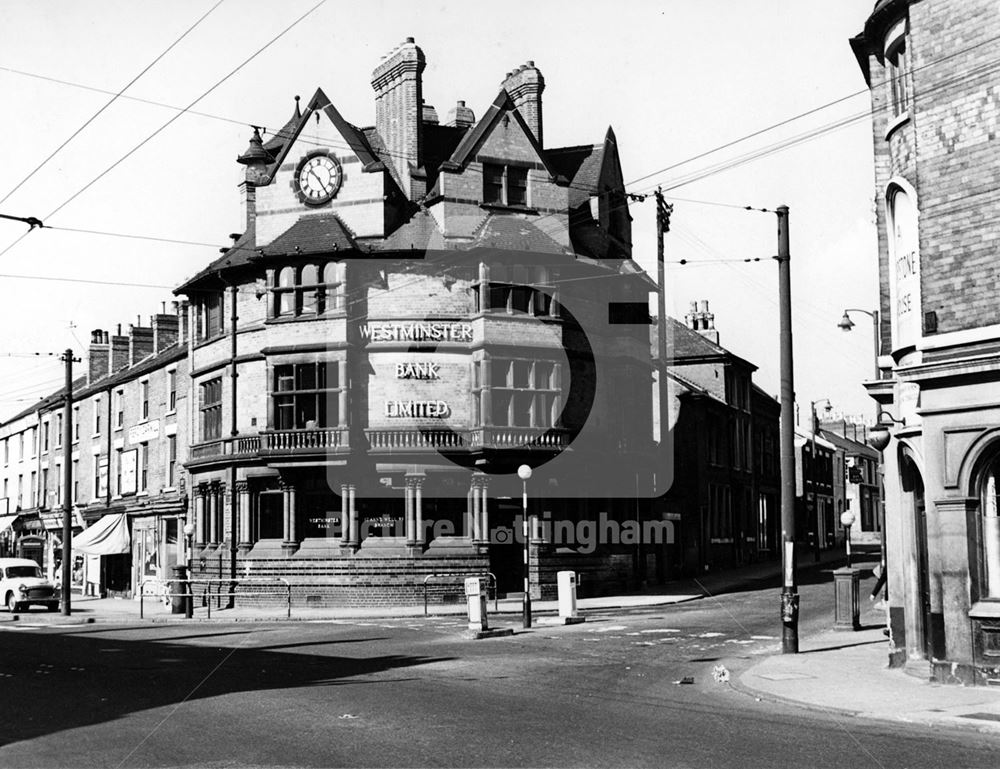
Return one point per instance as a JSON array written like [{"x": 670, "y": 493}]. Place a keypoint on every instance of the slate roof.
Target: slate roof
[
  {"x": 311, "y": 235},
  {"x": 689, "y": 346},
  {"x": 848, "y": 444},
  {"x": 514, "y": 233},
  {"x": 582, "y": 166},
  {"x": 420, "y": 233},
  {"x": 239, "y": 255}
]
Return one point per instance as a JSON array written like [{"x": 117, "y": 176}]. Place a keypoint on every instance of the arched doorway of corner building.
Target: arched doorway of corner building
[{"x": 914, "y": 509}]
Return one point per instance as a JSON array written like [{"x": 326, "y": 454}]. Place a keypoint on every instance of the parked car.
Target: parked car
[{"x": 22, "y": 584}]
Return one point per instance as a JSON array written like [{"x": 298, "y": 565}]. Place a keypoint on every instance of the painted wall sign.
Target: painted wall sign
[
  {"x": 411, "y": 409},
  {"x": 145, "y": 432},
  {"x": 417, "y": 332},
  {"x": 418, "y": 371},
  {"x": 904, "y": 271}
]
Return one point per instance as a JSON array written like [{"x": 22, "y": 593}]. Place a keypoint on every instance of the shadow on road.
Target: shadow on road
[{"x": 56, "y": 681}]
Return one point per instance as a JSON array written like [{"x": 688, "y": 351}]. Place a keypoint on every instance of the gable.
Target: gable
[
  {"x": 359, "y": 197},
  {"x": 513, "y": 130}
]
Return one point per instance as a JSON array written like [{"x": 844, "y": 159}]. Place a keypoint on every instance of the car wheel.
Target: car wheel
[{"x": 12, "y": 605}]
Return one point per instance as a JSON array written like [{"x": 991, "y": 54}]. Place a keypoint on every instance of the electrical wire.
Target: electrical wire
[
  {"x": 111, "y": 101},
  {"x": 173, "y": 119}
]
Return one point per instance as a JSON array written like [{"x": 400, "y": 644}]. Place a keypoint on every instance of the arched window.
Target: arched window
[
  {"x": 310, "y": 294},
  {"x": 989, "y": 490},
  {"x": 333, "y": 280},
  {"x": 285, "y": 292}
]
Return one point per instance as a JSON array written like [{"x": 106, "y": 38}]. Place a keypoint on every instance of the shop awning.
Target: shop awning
[
  {"x": 6, "y": 521},
  {"x": 108, "y": 536}
]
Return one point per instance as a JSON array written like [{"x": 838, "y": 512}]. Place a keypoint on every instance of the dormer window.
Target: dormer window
[{"x": 505, "y": 185}]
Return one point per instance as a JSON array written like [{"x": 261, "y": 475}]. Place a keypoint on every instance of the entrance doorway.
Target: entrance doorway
[{"x": 913, "y": 491}]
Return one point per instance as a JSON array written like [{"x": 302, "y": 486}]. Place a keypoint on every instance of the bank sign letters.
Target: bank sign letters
[{"x": 428, "y": 371}]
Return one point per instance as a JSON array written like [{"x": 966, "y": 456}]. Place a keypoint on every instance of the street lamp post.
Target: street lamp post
[
  {"x": 189, "y": 597},
  {"x": 846, "y": 324},
  {"x": 524, "y": 473}
]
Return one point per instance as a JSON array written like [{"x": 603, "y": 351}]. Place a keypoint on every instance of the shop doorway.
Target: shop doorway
[{"x": 913, "y": 491}]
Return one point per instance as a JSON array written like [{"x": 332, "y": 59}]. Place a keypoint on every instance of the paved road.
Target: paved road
[{"x": 412, "y": 693}]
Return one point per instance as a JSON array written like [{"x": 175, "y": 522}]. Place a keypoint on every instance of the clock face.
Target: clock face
[{"x": 318, "y": 179}]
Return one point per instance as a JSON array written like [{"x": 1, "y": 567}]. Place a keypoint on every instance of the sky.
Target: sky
[{"x": 676, "y": 80}]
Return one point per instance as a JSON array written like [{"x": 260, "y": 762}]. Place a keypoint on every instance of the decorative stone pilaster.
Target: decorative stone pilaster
[
  {"x": 288, "y": 541},
  {"x": 243, "y": 543}
]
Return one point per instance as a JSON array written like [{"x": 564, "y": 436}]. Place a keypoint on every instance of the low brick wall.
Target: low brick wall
[{"x": 351, "y": 580}]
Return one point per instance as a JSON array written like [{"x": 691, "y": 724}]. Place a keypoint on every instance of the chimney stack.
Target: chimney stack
[
  {"x": 399, "y": 109},
  {"x": 181, "y": 308},
  {"x": 702, "y": 320},
  {"x": 429, "y": 115},
  {"x": 461, "y": 116},
  {"x": 165, "y": 331},
  {"x": 98, "y": 355},
  {"x": 525, "y": 85},
  {"x": 119, "y": 351},
  {"x": 140, "y": 343}
]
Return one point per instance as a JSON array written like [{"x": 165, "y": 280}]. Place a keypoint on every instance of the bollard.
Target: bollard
[
  {"x": 847, "y": 607},
  {"x": 178, "y": 589},
  {"x": 566, "y": 581},
  {"x": 475, "y": 596}
]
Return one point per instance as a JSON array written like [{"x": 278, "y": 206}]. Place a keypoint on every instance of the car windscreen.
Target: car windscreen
[{"x": 13, "y": 572}]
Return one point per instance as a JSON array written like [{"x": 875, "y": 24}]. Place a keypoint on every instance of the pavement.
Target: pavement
[
  {"x": 836, "y": 671},
  {"x": 846, "y": 672}
]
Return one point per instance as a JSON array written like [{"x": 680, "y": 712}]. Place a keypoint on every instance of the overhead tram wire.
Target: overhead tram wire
[
  {"x": 111, "y": 101},
  {"x": 786, "y": 121},
  {"x": 159, "y": 130},
  {"x": 719, "y": 168}
]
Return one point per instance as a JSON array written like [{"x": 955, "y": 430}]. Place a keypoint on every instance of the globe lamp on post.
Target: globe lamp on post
[{"x": 524, "y": 473}]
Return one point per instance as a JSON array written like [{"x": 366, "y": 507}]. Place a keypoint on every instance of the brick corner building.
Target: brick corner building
[
  {"x": 936, "y": 114},
  {"x": 413, "y": 310}
]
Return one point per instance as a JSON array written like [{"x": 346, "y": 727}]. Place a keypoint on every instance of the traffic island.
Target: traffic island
[
  {"x": 475, "y": 635},
  {"x": 560, "y": 620}
]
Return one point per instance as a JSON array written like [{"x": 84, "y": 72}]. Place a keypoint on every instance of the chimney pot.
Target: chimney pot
[
  {"x": 409, "y": 40},
  {"x": 531, "y": 63},
  {"x": 704, "y": 305}
]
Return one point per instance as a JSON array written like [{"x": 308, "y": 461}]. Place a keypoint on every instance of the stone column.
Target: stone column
[
  {"x": 418, "y": 512},
  {"x": 472, "y": 513},
  {"x": 484, "y": 511},
  {"x": 244, "y": 543},
  {"x": 288, "y": 517},
  {"x": 353, "y": 517},
  {"x": 213, "y": 514},
  {"x": 345, "y": 521},
  {"x": 199, "y": 518},
  {"x": 408, "y": 506}
]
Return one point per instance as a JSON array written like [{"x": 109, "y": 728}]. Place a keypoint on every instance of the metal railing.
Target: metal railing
[
  {"x": 489, "y": 576},
  {"x": 208, "y": 593}
]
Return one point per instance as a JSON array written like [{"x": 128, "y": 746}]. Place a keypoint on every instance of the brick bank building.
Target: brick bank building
[
  {"x": 936, "y": 115},
  {"x": 413, "y": 310}
]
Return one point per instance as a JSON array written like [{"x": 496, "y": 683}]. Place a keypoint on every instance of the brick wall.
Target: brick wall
[{"x": 948, "y": 152}]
